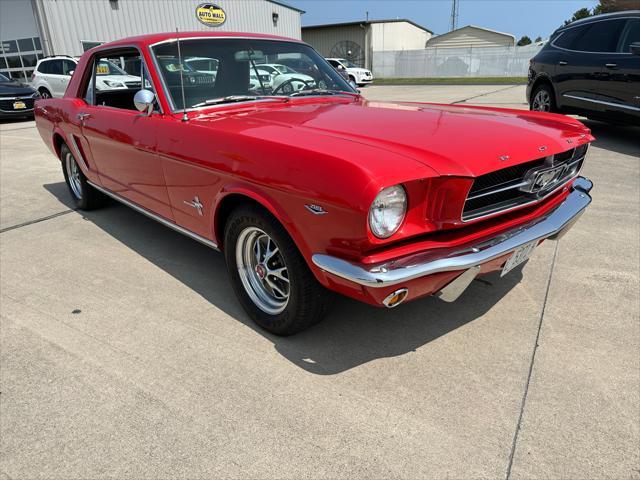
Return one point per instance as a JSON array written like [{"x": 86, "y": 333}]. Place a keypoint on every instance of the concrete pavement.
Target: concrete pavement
[{"x": 124, "y": 353}]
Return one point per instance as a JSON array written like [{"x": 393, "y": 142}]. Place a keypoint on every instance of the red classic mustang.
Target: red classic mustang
[{"x": 303, "y": 184}]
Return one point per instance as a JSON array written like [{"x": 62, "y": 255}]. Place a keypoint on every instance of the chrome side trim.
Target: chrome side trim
[
  {"x": 428, "y": 262},
  {"x": 78, "y": 155},
  {"x": 602, "y": 102},
  {"x": 157, "y": 218}
]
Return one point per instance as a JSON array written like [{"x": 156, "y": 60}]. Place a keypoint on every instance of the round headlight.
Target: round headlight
[{"x": 387, "y": 211}]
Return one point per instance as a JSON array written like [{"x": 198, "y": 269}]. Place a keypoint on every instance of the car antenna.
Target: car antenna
[{"x": 184, "y": 103}]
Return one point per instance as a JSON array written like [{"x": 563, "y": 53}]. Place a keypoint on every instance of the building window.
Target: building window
[{"x": 19, "y": 57}]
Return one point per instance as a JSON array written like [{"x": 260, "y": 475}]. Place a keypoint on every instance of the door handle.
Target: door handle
[
  {"x": 611, "y": 65},
  {"x": 82, "y": 117},
  {"x": 562, "y": 62}
]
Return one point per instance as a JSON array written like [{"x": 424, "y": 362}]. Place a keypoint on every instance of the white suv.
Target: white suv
[
  {"x": 360, "y": 76},
  {"x": 52, "y": 74}
]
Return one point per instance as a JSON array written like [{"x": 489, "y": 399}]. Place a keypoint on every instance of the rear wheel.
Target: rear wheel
[
  {"x": 542, "y": 99},
  {"x": 84, "y": 196},
  {"x": 44, "y": 93},
  {"x": 269, "y": 275}
]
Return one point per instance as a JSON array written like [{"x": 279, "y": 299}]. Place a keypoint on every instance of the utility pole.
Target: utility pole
[{"x": 454, "y": 14}]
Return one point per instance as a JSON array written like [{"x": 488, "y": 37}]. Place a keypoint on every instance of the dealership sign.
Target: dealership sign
[{"x": 210, "y": 14}]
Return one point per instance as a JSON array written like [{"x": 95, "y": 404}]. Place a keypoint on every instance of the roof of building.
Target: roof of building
[
  {"x": 477, "y": 28},
  {"x": 366, "y": 22},
  {"x": 283, "y": 4}
]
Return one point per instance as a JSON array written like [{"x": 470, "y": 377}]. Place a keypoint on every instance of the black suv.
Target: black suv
[{"x": 590, "y": 67}]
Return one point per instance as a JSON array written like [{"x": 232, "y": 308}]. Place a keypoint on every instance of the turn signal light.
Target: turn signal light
[{"x": 396, "y": 298}]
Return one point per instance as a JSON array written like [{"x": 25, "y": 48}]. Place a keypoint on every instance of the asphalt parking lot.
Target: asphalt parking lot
[{"x": 124, "y": 353}]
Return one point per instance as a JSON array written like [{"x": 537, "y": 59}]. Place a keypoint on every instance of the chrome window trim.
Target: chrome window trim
[
  {"x": 79, "y": 154},
  {"x": 153, "y": 216},
  {"x": 611, "y": 104},
  {"x": 553, "y": 44},
  {"x": 93, "y": 74}
]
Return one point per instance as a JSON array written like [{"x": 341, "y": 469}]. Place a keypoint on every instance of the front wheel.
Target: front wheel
[{"x": 269, "y": 275}]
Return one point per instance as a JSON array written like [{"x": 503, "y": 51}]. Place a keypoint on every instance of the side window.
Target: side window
[
  {"x": 631, "y": 34},
  {"x": 600, "y": 37},
  {"x": 113, "y": 86},
  {"x": 67, "y": 67},
  {"x": 568, "y": 38},
  {"x": 55, "y": 67},
  {"x": 43, "y": 67}
]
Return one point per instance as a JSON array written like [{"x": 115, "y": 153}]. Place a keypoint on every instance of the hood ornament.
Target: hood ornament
[
  {"x": 542, "y": 148},
  {"x": 504, "y": 158}
]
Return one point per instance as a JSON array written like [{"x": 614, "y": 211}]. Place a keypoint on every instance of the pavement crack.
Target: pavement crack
[
  {"x": 37, "y": 220},
  {"x": 531, "y": 364},
  {"x": 484, "y": 94}
]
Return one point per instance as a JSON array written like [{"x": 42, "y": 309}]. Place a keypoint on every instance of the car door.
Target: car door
[
  {"x": 68, "y": 67},
  {"x": 620, "y": 92},
  {"x": 123, "y": 142},
  {"x": 584, "y": 50},
  {"x": 54, "y": 78}
]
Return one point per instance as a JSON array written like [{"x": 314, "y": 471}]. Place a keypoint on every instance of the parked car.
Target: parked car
[
  {"x": 359, "y": 76},
  {"x": 16, "y": 98},
  {"x": 285, "y": 78},
  {"x": 317, "y": 190},
  {"x": 590, "y": 67},
  {"x": 52, "y": 74}
]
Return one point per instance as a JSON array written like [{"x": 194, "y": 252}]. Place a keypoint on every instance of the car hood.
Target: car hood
[
  {"x": 15, "y": 88},
  {"x": 450, "y": 139}
]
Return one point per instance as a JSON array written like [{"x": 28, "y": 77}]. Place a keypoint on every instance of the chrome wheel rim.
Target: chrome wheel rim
[
  {"x": 45, "y": 94},
  {"x": 542, "y": 101},
  {"x": 73, "y": 174},
  {"x": 262, "y": 270}
]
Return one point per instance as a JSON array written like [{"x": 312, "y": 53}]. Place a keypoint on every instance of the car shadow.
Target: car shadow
[
  {"x": 616, "y": 138},
  {"x": 352, "y": 334}
]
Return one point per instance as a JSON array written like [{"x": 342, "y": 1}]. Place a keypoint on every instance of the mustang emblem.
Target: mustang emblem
[
  {"x": 315, "y": 209},
  {"x": 196, "y": 203},
  {"x": 542, "y": 179},
  {"x": 504, "y": 158}
]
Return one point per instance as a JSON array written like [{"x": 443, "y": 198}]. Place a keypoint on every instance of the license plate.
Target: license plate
[
  {"x": 19, "y": 105},
  {"x": 520, "y": 255}
]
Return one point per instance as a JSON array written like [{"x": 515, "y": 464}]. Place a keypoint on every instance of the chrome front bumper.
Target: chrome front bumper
[{"x": 552, "y": 226}]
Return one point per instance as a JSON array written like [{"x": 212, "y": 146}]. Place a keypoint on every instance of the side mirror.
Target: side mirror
[
  {"x": 144, "y": 100},
  {"x": 635, "y": 48},
  {"x": 340, "y": 67},
  {"x": 71, "y": 73}
]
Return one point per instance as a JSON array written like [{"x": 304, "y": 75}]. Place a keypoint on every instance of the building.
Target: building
[
  {"x": 472, "y": 36},
  {"x": 359, "y": 41},
  {"x": 31, "y": 29}
]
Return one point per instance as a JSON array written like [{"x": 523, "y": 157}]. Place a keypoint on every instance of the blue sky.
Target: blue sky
[{"x": 519, "y": 17}]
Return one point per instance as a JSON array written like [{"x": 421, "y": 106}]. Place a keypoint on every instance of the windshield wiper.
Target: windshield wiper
[
  {"x": 228, "y": 99},
  {"x": 315, "y": 91}
]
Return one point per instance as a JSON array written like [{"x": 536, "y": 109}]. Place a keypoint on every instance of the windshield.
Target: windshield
[
  {"x": 105, "y": 67},
  {"x": 242, "y": 71},
  {"x": 3, "y": 78}
]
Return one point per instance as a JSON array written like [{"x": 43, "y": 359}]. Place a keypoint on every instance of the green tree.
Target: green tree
[
  {"x": 524, "y": 41},
  {"x": 538, "y": 39},
  {"x": 608, "y": 6},
  {"x": 580, "y": 14}
]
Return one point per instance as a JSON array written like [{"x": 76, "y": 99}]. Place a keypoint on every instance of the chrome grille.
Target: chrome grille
[{"x": 518, "y": 185}]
